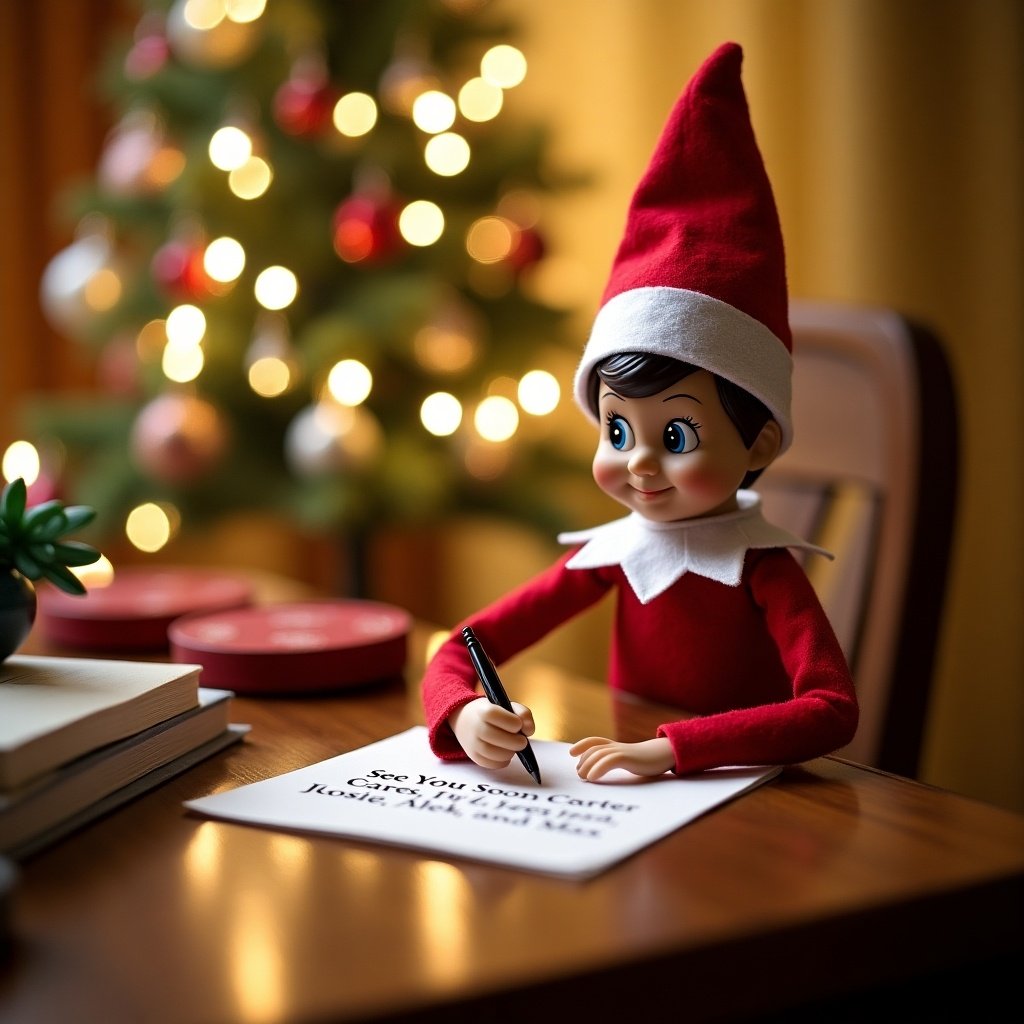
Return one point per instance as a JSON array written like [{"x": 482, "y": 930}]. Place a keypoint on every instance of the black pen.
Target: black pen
[{"x": 496, "y": 694}]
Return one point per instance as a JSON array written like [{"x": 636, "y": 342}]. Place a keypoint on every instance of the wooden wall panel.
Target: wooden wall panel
[{"x": 51, "y": 131}]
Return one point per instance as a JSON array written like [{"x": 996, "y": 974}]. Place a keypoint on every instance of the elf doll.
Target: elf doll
[{"x": 687, "y": 375}]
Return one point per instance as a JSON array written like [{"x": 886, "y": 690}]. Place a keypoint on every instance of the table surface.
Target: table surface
[{"x": 829, "y": 879}]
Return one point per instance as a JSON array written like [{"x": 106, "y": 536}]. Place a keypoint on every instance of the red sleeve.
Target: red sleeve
[
  {"x": 506, "y": 627},
  {"x": 822, "y": 713}
]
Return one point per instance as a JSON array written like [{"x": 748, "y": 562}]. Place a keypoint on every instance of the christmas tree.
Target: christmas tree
[{"x": 309, "y": 268}]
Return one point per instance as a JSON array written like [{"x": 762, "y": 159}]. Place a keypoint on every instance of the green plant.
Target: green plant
[{"x": 31, "y": 539}]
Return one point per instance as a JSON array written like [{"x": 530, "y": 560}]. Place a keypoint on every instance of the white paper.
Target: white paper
[{"x": 397, "y": 792}]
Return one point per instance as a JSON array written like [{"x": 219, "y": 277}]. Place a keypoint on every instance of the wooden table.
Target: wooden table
[{"x": 832, "y": 882}]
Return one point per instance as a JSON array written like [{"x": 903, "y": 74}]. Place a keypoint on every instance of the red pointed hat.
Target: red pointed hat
[{"x": 700, "y": 273}]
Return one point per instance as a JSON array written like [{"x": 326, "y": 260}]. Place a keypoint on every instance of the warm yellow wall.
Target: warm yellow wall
[{"x": 892, "y": 130}]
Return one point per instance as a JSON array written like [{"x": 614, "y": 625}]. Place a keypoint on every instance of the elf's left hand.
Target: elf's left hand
[{"x": 598, "y": 756}]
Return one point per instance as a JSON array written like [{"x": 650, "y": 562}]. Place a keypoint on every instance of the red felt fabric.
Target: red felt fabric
[
  {"x": 703, "y": 216},
  {"x": 758, "y": 663}
]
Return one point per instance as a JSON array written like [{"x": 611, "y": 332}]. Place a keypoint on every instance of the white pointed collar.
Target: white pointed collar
[{"x": 654, "y": 555}]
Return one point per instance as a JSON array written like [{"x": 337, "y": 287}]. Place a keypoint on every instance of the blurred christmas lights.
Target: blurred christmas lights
[
  {"x": 21, "y": 459},
  {"x": 178, "y": 440},
  {"x": 230, "y": 148},
  {"x": 349, "y": 382},
  {"x": 251, "y": 179},
  {"x": 421, "y": 222},
  {"x": 496, "y": 418},
  {"x": 538, "y": 393},
  {"x": 504, "y": 66},
  {"x": 447, "y": 154},
  {"x": 148, "y": 527},
  {"x": 355, "y": 114},
  {"x": 185, "y": 325},
  {"x": 95, "y": 575},
  {"x": 441, "y": 413},
  {"x": 433, "y": 111},
  {"x": 480, "y": 100},
  {"x": 276, "y": 287},
  {"x": 224, "y": 259}
]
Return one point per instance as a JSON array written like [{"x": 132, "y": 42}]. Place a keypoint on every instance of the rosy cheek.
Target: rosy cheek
[
  {"x": 700, "y": 478},
  {"x": 606, "y": 472}
]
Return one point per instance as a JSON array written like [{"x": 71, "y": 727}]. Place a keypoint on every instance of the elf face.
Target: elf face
[{"x": 676, "y": 454}]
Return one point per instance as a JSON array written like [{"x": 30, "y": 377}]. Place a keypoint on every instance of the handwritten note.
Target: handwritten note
[{"x": 397, "y": 792}]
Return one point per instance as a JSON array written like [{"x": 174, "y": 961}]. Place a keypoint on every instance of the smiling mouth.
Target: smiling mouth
[{"x": 645, "y": 495}]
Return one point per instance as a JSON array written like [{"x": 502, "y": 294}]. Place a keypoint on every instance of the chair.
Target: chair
[{"x": 872, "y": 476}]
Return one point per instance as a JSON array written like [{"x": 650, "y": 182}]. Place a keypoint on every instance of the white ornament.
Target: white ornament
[
  {"x": 79, "y": 282},
  {"x": 328, "y": 437}
]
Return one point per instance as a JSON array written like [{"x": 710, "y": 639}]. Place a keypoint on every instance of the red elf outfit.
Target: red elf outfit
[{"x": 714, "y": 615}]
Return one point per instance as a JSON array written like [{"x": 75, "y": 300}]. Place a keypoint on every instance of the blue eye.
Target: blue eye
[
  {"x": 619, "y": 434},
  {"x": 681, "y": 437}
]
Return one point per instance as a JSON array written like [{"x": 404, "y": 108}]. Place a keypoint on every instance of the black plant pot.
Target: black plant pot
[{"x": 17, "y": 611}]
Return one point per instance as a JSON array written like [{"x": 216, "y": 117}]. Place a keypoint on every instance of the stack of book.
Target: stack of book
[{"x": 80, "y": 736}]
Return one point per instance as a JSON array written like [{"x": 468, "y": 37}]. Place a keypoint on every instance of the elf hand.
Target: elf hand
[
  {"x": 490, "y": 735},
  {"x": 598, "y": 756}
]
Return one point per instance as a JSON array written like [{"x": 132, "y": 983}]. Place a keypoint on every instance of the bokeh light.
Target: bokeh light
[
  {"x": 202, "y": 15},
  {"x": 496, "y": 418},
  {"x": 182, "y": 361},
  {"x": 102, "y": 291},
  {"x": 421, "y": 222},
  {"x": 21, "y": 459},
  {"x": 441, "y": 413},
  {"x": 276, "y": 288},
  {"x": 150, "y": 341},
  {"x": 224, "y": 259},
  {"x": 355, "y": 114},
  {"x": 490, "y": 239},
  {"x": 503, "y": 66},
  {"x": 149, "y": 526},
  {"x": 538, "y": 393},
  {"x": 480, "y": 100},
  {"x": 230, "y": 148},
  {"x": 434, "y": 111},
  {"x": 244, "y": 11},
  {"x": 447, "y": 154},
  {"x": 270, "y": 376},
  {"x": 349, "y": 382},
  {"x": 252, "y": 179},
  {"x": 95, "y": 575},
  {"x": 186, "y": 325}
]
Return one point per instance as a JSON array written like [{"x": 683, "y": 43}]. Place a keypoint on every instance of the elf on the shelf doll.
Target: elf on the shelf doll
[{"x": 687, "y": 374}]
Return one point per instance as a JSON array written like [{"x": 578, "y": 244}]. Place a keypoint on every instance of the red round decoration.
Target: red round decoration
[
  {"x": 178, "y": 269},
  {"x": 295, "y": 648},
  {"x": 304, "y": 106},
  {"x": 44, "y": 488},
  {"x": 366, "y": 229},
  {"x": 179, "y": 438},
  {"x": 147, "y": 56},
  {"x": 529, "y": 249},
  {"x": 132, "y": 613}
]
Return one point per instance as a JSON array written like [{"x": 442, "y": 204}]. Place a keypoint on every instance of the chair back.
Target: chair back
[{"x": 872, "y": 476}]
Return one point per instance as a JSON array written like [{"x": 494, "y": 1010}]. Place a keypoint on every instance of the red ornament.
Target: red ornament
[
  {"x": 43, "y": 488},
  {"x": 150, "y": 49},
  {"x": 366, "y": 230},
  {"x": 179, "y": 438},
  {"x": 147, "y": 56},
  {"x": 178, "y": 269},
  {"x": 304, "y": 106},
  {"x": 529, "y": 249}
]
